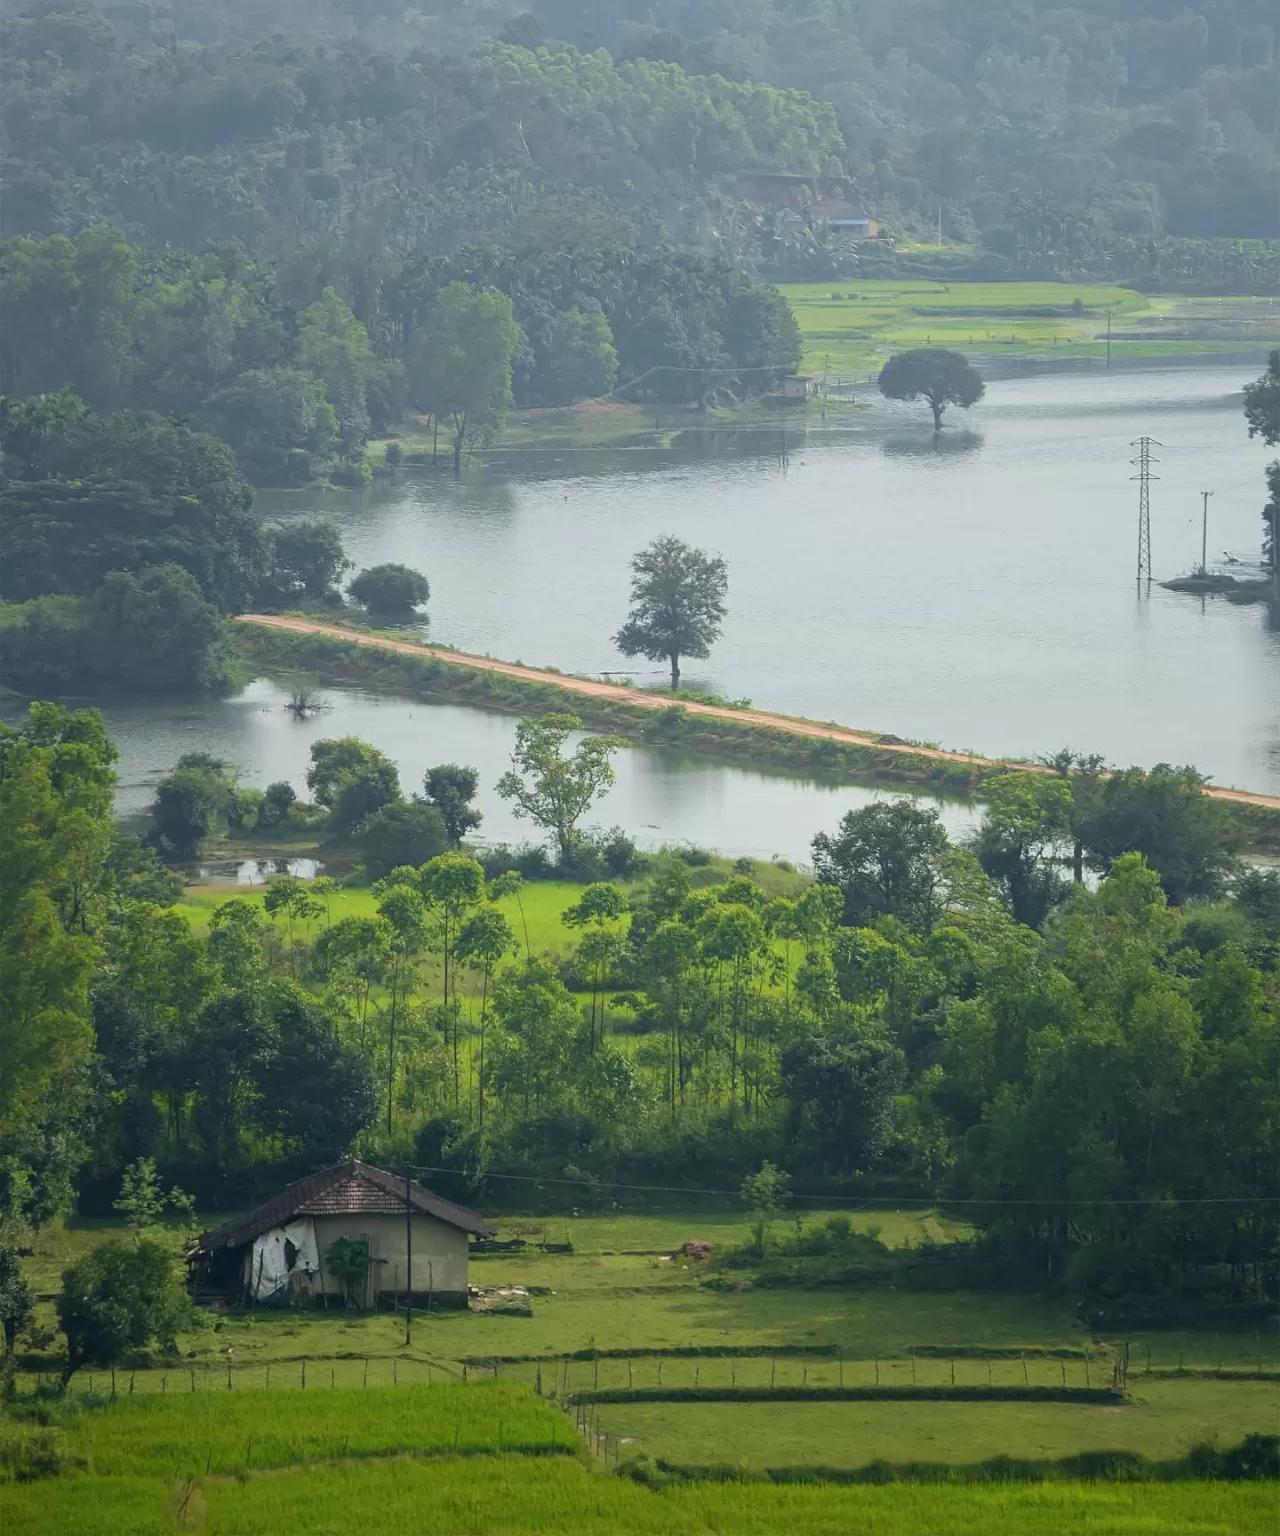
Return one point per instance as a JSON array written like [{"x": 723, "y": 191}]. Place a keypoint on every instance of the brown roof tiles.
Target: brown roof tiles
[{"x": 347, "y": 1189}]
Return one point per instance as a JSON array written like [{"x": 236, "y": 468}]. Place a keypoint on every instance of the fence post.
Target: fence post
[
  {"x": 304, "y": 1375},
  {"x": 366, "y": 1370}
]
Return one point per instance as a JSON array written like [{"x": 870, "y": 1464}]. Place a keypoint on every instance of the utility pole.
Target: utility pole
[
  {"x": 1144, "y": 477},
  {"x": 1204, "y": 533},
  {"x": 408, "y": 1255}
]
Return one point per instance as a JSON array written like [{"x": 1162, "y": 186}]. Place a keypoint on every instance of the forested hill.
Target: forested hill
[
  {"x": 190, "y": 121},
  {"x": 277, "y": 141}
]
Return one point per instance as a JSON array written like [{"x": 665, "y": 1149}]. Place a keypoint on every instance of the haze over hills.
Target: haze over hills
[{"x": 189, "y": 123}]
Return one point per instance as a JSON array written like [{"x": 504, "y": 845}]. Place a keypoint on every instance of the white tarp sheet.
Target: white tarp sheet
[{"x": 280, "y": 1254}]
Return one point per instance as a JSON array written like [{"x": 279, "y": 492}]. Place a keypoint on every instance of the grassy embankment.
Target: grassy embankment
[
  {"x": 851, "y": 326},
  {"x": 280, "y": 653}
]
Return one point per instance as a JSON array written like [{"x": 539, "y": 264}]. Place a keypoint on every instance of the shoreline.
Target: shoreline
[{"x": 823, "y": 749}]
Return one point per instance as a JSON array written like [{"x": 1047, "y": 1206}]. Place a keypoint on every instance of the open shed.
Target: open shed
[{"x": 416, "y": 1243}]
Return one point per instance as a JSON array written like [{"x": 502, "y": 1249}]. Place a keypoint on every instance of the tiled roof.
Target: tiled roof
[
  {"x": 347, "y": 1189},
  {"x": 351, "y": 1195}
]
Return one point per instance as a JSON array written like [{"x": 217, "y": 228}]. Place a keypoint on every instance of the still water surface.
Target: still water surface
[
  {"x": 660, "y": 797},
  {"x": 977, "y": 590}
]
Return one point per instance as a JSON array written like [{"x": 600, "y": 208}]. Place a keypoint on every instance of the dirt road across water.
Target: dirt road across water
[{"x": 645, "y": 700}]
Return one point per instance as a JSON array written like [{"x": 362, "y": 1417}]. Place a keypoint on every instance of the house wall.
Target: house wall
[
  {"x": 439, "y": 1257},
  {"x": 439, "y": 1260}
]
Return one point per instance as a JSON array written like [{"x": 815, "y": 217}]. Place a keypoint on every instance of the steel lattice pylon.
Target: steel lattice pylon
[{"x": 1144, "y": 477}]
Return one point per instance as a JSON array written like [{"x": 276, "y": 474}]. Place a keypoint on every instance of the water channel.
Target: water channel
[{"x": 659, "y": 797}]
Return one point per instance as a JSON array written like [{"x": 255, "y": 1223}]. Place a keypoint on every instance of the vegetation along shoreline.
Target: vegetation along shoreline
[{"x": 282, "y": 643}]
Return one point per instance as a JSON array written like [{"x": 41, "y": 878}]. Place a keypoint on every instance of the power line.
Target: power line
[{"x": 886, "y": 1201}]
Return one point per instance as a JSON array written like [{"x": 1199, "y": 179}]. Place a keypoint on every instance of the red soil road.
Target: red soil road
[{"x": 644, "y": 700}]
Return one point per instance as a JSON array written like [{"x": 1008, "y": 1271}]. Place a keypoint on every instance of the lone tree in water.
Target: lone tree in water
[
  {"x": 677, "y": 604},
  {"x": 390, "y": 591},
  {"x": 942, "y": 378}
]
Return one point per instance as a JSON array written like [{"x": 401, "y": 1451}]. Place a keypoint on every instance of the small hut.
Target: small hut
[{"x": 393, "y": 1239}]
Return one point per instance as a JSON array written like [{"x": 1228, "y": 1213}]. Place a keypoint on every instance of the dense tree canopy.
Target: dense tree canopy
[{"x": 1097, "y": 1084}]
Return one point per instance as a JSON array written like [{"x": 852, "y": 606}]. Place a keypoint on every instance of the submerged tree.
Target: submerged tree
[
  {"x": 391, "y": 591},
  {"x": 677, "y": 604},
  {"x": 934, "y": 374}
]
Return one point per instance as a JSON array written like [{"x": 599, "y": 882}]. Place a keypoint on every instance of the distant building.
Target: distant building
[
  {"x": 279, "y": 1249},
  {"x": 816, "y": 199},
  {"x": 843, "y": 218},
  {"x": 799, "y": 386}
]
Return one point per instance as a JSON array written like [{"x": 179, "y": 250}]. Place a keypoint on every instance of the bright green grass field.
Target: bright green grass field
[
  {"x": 1163, "y": 1419},
  {"x": 511, "y": 1496},
  {"x": 540, "y": 907},
  {"x": 1099, "y": 1509},
  {"x": 181, "y": 1433},
  {"x": 875, "y": 318},
  {"x": 88, "y": 1506}
]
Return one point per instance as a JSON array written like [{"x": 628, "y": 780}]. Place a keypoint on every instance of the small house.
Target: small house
[
  {"x": 799, "y": 386},
  {"x": 843, "y": 218},
  {"x": 395, "y": 1237}
]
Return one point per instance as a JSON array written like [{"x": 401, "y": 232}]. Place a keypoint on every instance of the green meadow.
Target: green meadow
[{"x": 850, "y": 326}]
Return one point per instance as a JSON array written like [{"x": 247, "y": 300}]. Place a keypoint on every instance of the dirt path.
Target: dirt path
[{"x": 645, "y": 700}]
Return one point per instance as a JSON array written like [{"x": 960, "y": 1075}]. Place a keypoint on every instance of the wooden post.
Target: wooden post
[
  {"x": 366, "y": 1370},
  {"x": 408, "y": 1252},
  {"x": 1063, "y": 1364},
  {"x": 395, "y": 1372},
  {"x": 1026, "y": 1380},
  {"x": 840, "y": 1358},
  {"x": 304, "y": 1375},
  {"x": 131, "y": 1376},
  {"x": 228, "y": 1375},
  {"x": 113, "y": 1383}
]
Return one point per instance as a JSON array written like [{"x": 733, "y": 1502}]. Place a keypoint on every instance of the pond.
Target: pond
[
  {"x": 976, "y": 589},
  {"x": 660, "y": 797}
]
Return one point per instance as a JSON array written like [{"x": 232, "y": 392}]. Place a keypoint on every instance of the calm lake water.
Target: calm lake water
[
  {"x": 659, "y": 797},
  {"x": 977, "y": 590}
]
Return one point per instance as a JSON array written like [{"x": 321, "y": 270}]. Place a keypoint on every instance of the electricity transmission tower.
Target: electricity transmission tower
[{"x": 1144, "y": 477}]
